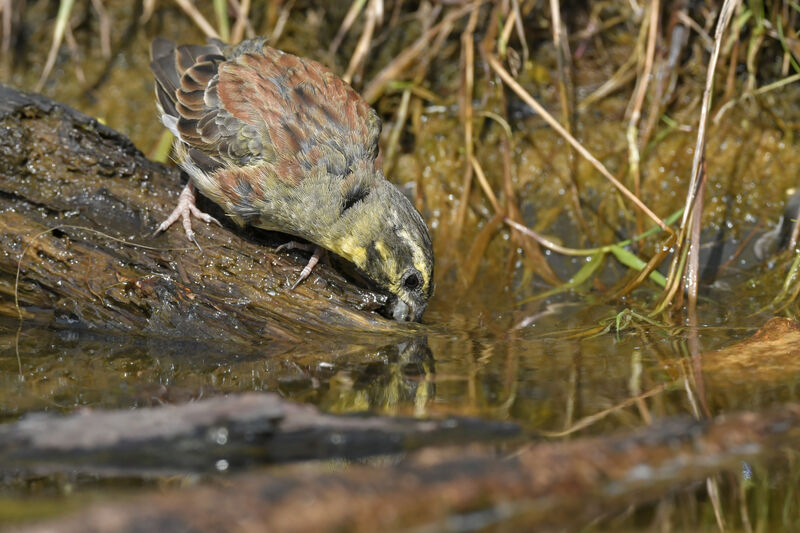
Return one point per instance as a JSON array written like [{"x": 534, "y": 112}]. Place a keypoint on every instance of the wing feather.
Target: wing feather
[{"x": 254, "y": 105}]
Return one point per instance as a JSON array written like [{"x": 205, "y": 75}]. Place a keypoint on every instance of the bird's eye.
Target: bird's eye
[{"x": 412, "y": 281}]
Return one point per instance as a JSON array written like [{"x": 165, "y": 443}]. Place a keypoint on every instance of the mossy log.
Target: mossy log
[{"x": 78, "y": 206}]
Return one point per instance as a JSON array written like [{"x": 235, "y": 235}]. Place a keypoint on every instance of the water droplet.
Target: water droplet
[{"x": 219, "y": 435}]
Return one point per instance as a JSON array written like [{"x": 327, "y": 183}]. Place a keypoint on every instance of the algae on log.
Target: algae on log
[{"x": 77, "y": 197}]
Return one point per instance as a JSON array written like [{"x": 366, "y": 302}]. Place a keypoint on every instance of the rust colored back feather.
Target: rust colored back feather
[{"x": 253, "y": 105}]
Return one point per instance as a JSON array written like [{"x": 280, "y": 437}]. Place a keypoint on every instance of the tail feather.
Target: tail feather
[{"x": 162, "y": 63}]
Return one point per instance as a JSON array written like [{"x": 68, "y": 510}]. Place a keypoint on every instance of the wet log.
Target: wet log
[
  {"x": 77, "y": 204},
  {"x": 239, "y": 430},
  {"x": 538, "y": 487},
  {"x": 768, "y": 356}
]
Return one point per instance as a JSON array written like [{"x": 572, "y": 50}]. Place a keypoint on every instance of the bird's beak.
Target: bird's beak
[{"x": 405, "y": 311}]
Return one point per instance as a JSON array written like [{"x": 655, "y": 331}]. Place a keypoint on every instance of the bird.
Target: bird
[{"x": 283, "y": 144}]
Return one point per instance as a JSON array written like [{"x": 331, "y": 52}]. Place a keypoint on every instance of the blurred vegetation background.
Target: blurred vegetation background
[{"x": 470, "y": 93}]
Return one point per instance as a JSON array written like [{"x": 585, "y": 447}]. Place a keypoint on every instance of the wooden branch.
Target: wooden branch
[
  {"x": 240, "y": 429},
  {"x": 61, "y": 171},
  {"x": 557, "y": 485}
]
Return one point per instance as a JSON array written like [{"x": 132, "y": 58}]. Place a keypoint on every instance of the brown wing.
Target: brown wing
[
  {"x": 186, "y": 90},
  {"x": 253, "y": 104}
]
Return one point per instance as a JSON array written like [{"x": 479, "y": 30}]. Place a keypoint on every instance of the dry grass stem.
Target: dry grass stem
[
  {"x": 542, "y": 240},
  {"x": 424, "y": 94},
  {"x": 347, "y": 23},
  {"x": 753, "y": 48},
  {"x": 635, "y": 387},
  {"x": 507, "y": 29},
  {"x": 732, "y": 51},
  {"x": 565, "y": 95},
  {"x": 520, "y": 30},
  {"x": 105, "y": 28},
  {"x": 470, "y": 264},
  {"x": 528, "y": 99},
  {"x": 484, "y": 183},
  {"x": 74, "y": 50},
  {"x": 188, "y": 7},
  {"x": 467, "y": 112},
  {"x": 673, "y": 276},
  {"x": 693, "y": 262},
  {"x": 559, "y": 44},
  {"x": 374, "y": 15},
  {"x": 795, "y": 235},
  {"x": 585, "y": 422},
  {"x": 685, "y": 238},
  {"x": 689, "y": 22},
  {"x": 280, "y": 24},
  {"x": 400, "y": 118},
  {"x": 242, "y": 23},
  {"x": 148, "y": 8},
  {"x": 593, "y": 28},
  {"x": 712, "y": 487},
  {"x": 644, "y": 273},
  {"x": 5, "y": 8},
  {"x": 664, "y": 78},
  {"x": 761, "y": 90},
  {"x": 638, "y": 102},
  {"x": 394, "y": 69},
  {"x": 624, "y": 75},
  {"x": 62, "y": 19},
  {"x": 433, "y": 50}
]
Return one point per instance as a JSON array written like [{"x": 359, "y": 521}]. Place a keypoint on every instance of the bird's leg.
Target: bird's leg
[
  {"x": 294, "y": 245},
  {"x": 185, "y": 210},
  {"x": 312, "y": 261}
]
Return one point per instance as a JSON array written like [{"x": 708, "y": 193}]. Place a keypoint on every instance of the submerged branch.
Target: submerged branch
[
  {"x": 239, "y": 429},
  {"x": 539, "y": 486}
]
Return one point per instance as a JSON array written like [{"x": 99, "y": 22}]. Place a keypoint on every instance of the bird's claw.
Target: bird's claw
[
  {"x": 185, "y": 210},
  {"x": 312, "y": 261},
  {"x": 294, "y": 245}
]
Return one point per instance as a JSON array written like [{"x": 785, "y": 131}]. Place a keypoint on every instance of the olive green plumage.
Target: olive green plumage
[{"x": 281, "y": 143}]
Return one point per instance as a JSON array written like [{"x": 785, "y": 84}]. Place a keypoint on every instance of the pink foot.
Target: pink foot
[
  {"x": 185, "y": 210},
  {"x": 312, "y": 261}
]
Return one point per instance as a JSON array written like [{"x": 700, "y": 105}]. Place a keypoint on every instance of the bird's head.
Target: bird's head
[{"x": 384, "y": 236}]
